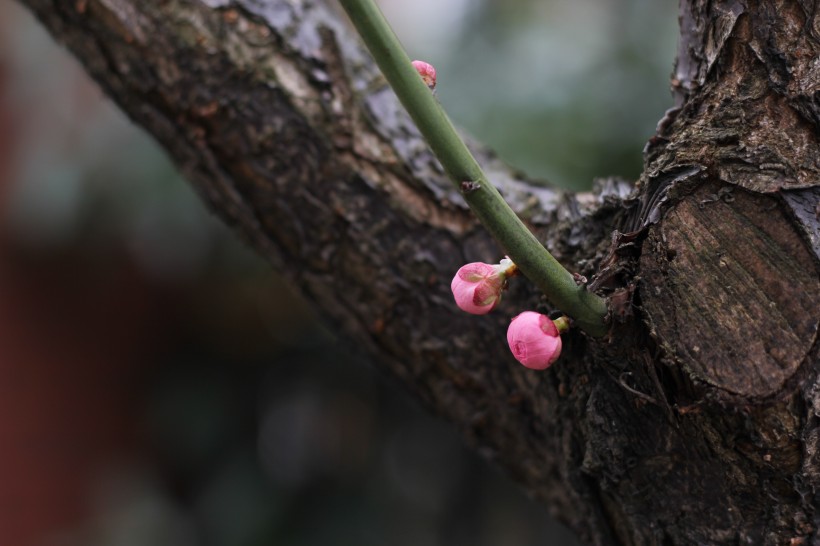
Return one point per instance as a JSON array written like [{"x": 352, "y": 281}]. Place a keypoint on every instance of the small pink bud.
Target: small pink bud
[
  {"x": 427, "y": 73},
  {"x": 534, "y": 340},
  {"x": 477, "y": 286}
]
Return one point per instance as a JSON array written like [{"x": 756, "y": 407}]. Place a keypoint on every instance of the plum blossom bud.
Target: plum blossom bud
[
  {"x": 427, "y": 73},
  {"x": 477, "y": 286},
  {"x": 534, "y": 340}
]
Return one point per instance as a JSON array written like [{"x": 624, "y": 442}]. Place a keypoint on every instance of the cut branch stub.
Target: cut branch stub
[{"x": 727, "y": 279}]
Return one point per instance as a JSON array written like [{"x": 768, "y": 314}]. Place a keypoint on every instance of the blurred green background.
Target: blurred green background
[{"x": 160, "y": 385}]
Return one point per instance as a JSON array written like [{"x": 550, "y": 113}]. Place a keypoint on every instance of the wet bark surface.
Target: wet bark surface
[{"x": 696, "y": 420}]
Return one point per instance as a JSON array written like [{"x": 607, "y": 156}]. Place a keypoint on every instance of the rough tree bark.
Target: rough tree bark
[{"x": 697, "y": 420}]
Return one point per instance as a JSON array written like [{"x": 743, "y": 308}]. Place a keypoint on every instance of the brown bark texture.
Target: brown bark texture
[{"x": 697, "y": 420}]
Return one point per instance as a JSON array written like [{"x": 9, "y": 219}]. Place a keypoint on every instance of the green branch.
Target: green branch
[{"x": 534, "y": 261}]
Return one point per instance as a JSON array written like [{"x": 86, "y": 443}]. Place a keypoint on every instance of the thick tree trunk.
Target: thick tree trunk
[{"x": 696, "y": 420}]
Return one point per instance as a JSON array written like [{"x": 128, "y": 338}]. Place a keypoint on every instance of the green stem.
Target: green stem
[{"x": 587, "y": 309}]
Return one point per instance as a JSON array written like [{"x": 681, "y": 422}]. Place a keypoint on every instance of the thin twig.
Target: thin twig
[{"x": 587, "y": 309}]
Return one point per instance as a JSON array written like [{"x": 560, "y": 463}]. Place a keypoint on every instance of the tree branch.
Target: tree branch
[
  {"x": 283, "y": 124},
  {"x": 697, "y": 420}
]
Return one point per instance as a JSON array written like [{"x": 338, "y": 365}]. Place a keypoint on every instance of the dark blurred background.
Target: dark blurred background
[{"x": 160, "y": 385}]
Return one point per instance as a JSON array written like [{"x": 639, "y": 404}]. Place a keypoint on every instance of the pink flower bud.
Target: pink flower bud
[
  {"x": 477, "y": 286},
  {"x": 427, "y": 73},
  {"x": 534, "y": 340}
]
